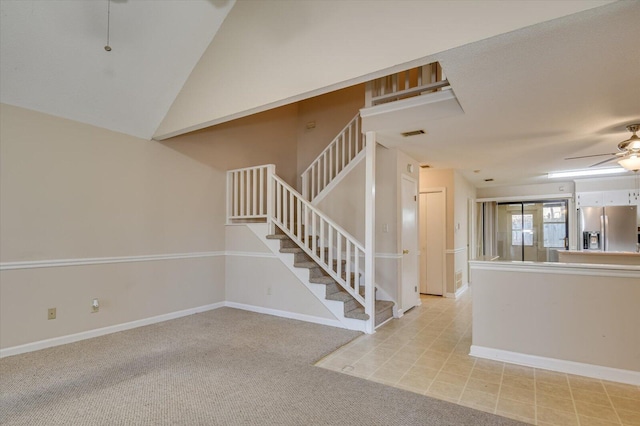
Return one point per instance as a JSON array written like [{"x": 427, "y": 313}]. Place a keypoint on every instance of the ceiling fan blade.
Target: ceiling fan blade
[
  {"x": 605, "y": 161},
  {"x": 587, "y": 156}
]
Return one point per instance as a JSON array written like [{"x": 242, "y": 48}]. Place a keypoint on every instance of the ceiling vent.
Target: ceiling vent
[
  {"x": 425, "y": 166},
  {"x": 413, "y": 133}
]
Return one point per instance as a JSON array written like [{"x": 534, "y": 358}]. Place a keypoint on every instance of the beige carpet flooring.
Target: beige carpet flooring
[{"x": 223, "y": 367}]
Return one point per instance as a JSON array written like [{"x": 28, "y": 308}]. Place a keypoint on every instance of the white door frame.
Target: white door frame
[
  {"x": 443, "y": 190},
  {"x": 403, "y": 246},
  {"x": 471, "y": 235}
]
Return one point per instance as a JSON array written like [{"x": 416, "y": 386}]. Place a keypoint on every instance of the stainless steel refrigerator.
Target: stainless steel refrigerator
[{"x": 610, "y": 228}]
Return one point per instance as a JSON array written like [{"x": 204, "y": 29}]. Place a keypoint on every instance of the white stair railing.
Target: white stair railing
[
  {"x": 257, "y": 193},
  {"x": 328, "y": 244},
  {"x": 248, "y": 193},
  {"x": 335, "y": 157}
]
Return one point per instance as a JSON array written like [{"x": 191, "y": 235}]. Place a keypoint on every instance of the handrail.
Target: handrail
[
  {"x": 318, "y": 236},
  {"x": 319, "y": 212},
  {"x": 333, "y": 159}
]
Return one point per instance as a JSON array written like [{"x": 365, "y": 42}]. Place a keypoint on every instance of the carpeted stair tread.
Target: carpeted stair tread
[
  {"x": 357, "y": 313},
  {"x": 340, "y": 296},
  {"x": 307, "y": 265},
  {"x": 325, "y": 279},
  {"x": 278, "y": 237},
  {"x": 382, "y": 305},
  {"x": 293, "y": 250}
]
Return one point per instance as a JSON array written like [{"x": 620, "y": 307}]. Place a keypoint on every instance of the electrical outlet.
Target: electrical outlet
[
  {"x": 268, "y": 291},
  {"x": 51, "y": 313},
  {"x": 95, "y": 306}
]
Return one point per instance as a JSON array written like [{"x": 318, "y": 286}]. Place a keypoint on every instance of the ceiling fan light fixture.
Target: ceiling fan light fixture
[
  {"x": 631, "y": 162},
  {"x": 633, "y": 143}
]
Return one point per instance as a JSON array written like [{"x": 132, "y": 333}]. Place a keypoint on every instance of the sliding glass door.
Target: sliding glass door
[{"x": 532, "y": 231}]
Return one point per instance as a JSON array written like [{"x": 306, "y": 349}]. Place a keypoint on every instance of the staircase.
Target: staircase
[
  {"x": 341, "y": 270},
  {"x": 333, "y": 290}
]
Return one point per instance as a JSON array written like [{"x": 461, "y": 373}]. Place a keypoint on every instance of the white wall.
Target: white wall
[
  {"x": 344, "y": 204},
  {"x": 606, "y": 183},
  {"x": 387, "y": 227},
  {"x": 74, "y": 191},
  {"x": 527, "y": 190}
]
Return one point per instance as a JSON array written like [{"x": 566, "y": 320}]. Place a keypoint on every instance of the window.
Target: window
[
  {"x": 522, "y": 229},
  {"x": 554, "y": 224}
]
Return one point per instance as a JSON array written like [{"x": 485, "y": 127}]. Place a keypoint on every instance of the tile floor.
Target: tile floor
[{"x": 427, "y": 350}]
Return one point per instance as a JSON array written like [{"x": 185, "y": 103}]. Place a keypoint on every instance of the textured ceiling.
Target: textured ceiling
[
  {"x": 532, "y": 97},
  {"x": 52, "y": 57}
]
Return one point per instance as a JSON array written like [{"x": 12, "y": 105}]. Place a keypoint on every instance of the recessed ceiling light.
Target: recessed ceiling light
[
  {"x": 413, "y": 133},
  {"x": 583, "y": 173}
]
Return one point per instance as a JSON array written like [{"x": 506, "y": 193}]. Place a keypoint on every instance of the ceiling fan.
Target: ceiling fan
[{"x": 627, "y": 149}]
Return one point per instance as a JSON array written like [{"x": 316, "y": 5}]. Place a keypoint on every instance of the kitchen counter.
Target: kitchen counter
[{"x": 598, "y": 257}]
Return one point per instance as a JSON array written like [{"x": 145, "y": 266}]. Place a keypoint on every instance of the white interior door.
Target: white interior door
[
  {"x": 410, "y": 270},
  {"x": 432, "y": 241}
]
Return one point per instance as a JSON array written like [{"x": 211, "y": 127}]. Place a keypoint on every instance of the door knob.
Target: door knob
[{"x": 405, "y": 251}]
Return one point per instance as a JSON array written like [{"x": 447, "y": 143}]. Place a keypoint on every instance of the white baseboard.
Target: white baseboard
[
  {"x": 285, "y": 314},
  {"x": 560, "y": 365},
  {"x": 457, "y": 293},
  {"x": 62, "y": 340}
]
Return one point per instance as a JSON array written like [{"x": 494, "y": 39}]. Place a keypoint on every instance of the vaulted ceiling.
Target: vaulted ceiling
[
  {"x": 52, "y": 57},
  {"x": 537, "y": 80}
]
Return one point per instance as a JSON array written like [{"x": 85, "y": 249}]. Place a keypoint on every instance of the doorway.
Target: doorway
[
  {"x": 532, "y": 231},
  {"x": 433, "y": 241}
]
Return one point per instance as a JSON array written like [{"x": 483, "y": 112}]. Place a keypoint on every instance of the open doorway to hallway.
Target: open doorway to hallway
[{"x": 433, "y": 213}]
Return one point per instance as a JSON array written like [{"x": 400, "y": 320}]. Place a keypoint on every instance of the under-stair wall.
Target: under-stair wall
[
  {"x": 257, "y": 194},
  {"x": 258, "y": 281}
]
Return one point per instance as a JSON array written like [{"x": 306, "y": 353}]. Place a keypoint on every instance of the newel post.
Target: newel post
[
  {"x": 271, "y": 199},
  {"x": 369, "y": 229}
]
